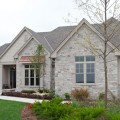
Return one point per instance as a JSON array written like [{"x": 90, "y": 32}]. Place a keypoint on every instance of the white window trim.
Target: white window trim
[
  {"x": 30, "y": 77},
  {"x": 85, "y": 72}
]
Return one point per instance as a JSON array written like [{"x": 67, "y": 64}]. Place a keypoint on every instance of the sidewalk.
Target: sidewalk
[{"x": 26, "y": 100}]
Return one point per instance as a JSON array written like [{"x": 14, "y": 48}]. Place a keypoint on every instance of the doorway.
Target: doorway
[{"x": 13, "y": 77}]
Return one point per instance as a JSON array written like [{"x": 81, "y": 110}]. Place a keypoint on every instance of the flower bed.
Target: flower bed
[{"x": 27, "y": 95}]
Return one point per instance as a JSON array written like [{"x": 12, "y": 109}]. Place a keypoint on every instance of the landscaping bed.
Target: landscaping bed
[
  {"x": 27, "y": 114},
  {"x": 54, "y": 110},
  {"x": 28, "y": 95}
]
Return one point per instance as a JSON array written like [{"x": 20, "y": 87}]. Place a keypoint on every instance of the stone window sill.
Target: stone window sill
[{"x": 85, "y": 84}]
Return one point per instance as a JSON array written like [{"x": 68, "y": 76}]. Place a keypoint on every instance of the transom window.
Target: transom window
[
  {"x": 31, "y": 77},
  {"x": 85, "y": 69}
]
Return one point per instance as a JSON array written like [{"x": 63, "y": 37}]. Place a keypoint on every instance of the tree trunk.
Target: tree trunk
[
  {"x": 105, "y": 52},
  {"x": 106, "y": 82}
]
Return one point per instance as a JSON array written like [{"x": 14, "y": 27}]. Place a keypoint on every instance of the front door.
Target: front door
[{"x": 13, "y": 77}]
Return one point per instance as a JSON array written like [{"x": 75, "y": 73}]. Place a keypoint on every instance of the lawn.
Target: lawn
[{"x": 10, "y": 110}]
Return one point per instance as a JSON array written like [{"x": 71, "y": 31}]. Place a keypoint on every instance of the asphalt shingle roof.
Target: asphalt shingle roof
[
  {"x": 3, "y": 47},
  {"x": 58, "y": 35},
  {"x": 113, "y": 31},
  {"x": 51, "y": 40}
]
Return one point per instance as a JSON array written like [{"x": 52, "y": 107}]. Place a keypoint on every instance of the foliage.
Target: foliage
[
  {"x": 67, "y": 96},
  {"x": 27, "y": 95},
  {"x": 101, "y": 96},
  {"x": 85, "y": 113},
  {"x": 75, "y": 104},
  {"x": 52, "y": 93},
  {"x": 55, "y": 110},
  {"x": 80, "y": 94},
  {"x": 28, "y": 91},
  {"x": 38, "y": 61},
  {"x": 52, "y": 110},
  {"x": 44, "y": 91},
  {"x": 10, "y": 110}
]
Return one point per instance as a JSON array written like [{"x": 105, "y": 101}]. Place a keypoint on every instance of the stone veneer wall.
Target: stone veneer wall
[
  {"x": 65, "y": 65},
  {"x": 28, "y": 51}
]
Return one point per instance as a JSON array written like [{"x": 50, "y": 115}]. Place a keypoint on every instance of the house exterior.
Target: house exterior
[{"x": 69, "y": 63}]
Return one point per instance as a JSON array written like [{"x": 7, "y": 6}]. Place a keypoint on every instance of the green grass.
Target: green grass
[{"x": 10, "y": 110}]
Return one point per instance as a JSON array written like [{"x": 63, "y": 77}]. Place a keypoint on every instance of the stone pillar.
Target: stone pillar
[{"x": 1, "y": 74}]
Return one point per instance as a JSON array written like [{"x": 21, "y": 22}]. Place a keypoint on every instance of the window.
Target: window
[
  {"x": 31, "y": 77},
  {"x": 85, "y": 69}
]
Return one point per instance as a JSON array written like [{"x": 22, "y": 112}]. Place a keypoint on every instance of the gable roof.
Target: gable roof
[
  {"x": 3, "y": 47},
  {"x": 10, "y": 44},
  {"x": 113, "y": 26},
  {"x": 56, "y": 36},
  {"x": 83, "y": 21},
  {"x": 53, "y": 39}
]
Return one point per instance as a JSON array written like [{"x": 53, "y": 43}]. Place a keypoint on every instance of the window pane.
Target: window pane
[
  {"x": 88, "y": 70},
  {"x": 37, "y": 81},
  {"x": 92, "y": 70},
  {"x": 79, "y": 78},
  {"x": 90, "y": 78},
  {"x": 77, "y": 71},
  {"x": 31, "y": 81},
  {"x": 26, "y": 66},
  {"x": 31, "y": 66},
  {"x": 77, "y": 66},
  {"x": 26, "y": 73},
  {"x": 31, "y": 73},
  {"x": 26, "y": 81},
  {"x": 90, "y": 58},
  {"x": 90, "y": 67},
  {"x": 79, "y": 58},
  {"x": 37, "y": 71},
  {"x": 81, "y": 70}
]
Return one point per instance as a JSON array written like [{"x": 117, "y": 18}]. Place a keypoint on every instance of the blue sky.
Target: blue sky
[{"x": 38, "y": 15}]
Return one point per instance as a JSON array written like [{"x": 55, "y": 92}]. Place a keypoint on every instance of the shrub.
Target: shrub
[
  {"x": 75, "y": 104},
  {"x": 52, "y": 110},
  {"x": 113, "y": 116},
  {"x": 80, "y": 94},
  {"x": 52, "y": 93},
  {"x": 44, "y": 91},
  {"x": 85, "y": 113},
  {"x": 67, "y": 96},
  {"x": 28, "y": 91},
  {"x": 101, "y": 96},
  {"x": 40, "y": 91}
]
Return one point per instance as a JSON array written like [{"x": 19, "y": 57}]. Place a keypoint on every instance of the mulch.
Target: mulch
[{"x": 27, "y": 114}]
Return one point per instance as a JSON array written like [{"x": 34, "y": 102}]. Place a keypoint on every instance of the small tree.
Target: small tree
[
  {"x": 99, "y": 11},
  {"x": 38, "y": 61}
]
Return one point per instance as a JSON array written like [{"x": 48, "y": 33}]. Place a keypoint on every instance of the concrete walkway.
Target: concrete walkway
[{"x": 26, "y": 100}]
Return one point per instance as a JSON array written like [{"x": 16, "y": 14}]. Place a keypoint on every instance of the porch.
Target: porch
[{"x": 8, "y": 78}]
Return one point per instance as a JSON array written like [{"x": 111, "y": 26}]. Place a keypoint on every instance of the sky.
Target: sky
[{"x": 38, "y": 15}]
